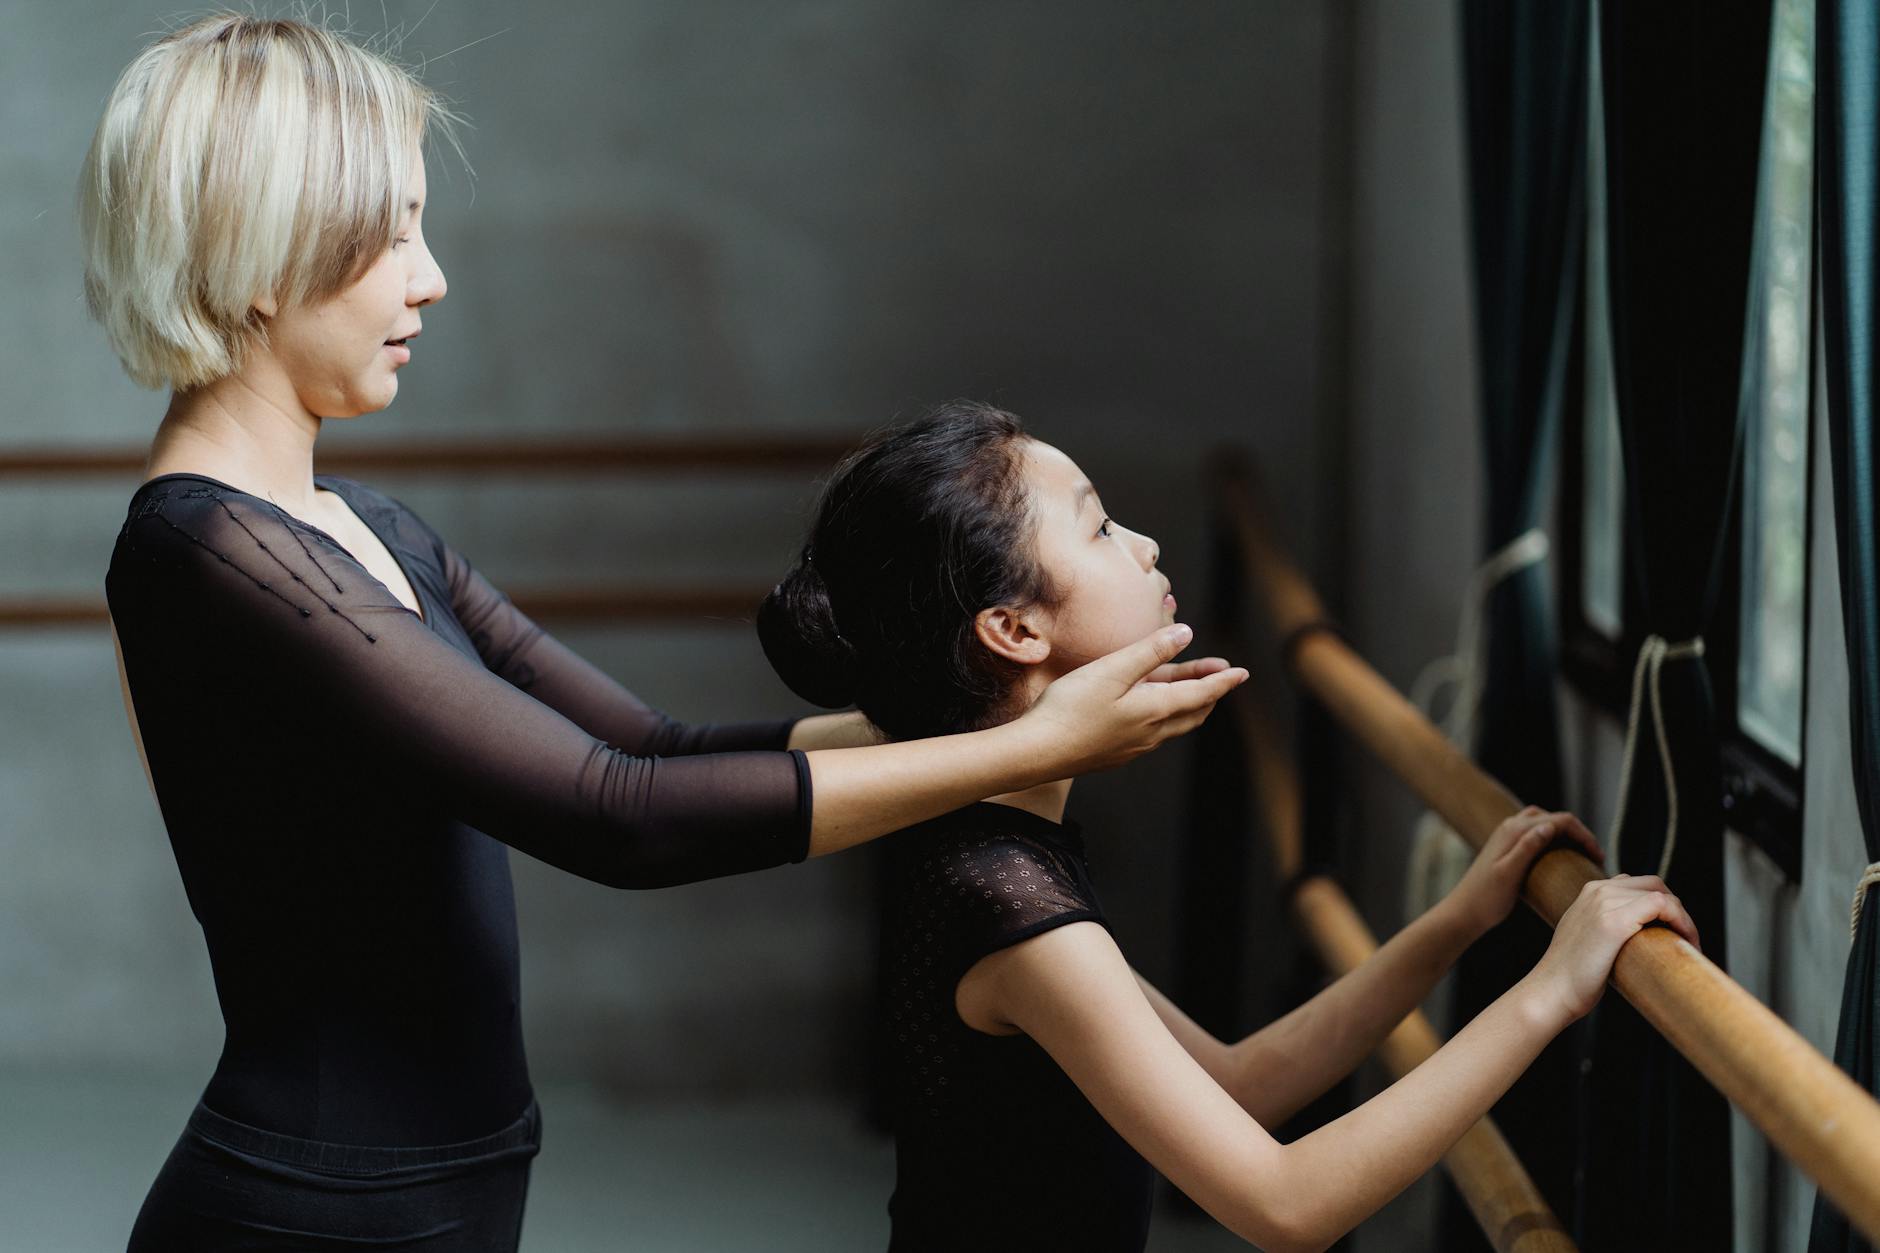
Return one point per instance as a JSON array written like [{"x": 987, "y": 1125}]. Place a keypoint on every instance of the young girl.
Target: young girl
[{"x": 954, "y": 568}]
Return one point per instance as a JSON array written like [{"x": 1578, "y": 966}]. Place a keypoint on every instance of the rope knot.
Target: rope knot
[{"x": 1868, "y": 878}]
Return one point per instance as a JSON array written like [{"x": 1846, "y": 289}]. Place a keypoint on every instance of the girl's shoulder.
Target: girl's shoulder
[{"x": 992, "y": 866}]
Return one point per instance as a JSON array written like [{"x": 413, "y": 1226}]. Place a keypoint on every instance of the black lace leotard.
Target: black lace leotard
[
  {"x": 340, "y": 778},
  {"x": 995, "y": 1147}
]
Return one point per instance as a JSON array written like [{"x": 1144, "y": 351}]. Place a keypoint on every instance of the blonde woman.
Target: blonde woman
[{"x": 347, "y": 727}]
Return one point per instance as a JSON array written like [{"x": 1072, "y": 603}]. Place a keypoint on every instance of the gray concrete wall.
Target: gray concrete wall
[{"x": 688, "y": 217}]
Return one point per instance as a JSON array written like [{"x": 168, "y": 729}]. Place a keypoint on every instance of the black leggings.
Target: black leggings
[{"x": 231, "y": 1188}]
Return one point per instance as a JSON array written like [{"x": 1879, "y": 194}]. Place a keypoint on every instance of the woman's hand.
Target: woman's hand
[
  {"x": 1488, "y": 892},
  {"x": 1574, "y": 969},
  {"x": 1121, "y": 706}
]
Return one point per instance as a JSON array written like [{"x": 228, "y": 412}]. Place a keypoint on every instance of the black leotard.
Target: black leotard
[
  {"x": 336, "y": 773},
  {"x": 995, "y": 1148}
]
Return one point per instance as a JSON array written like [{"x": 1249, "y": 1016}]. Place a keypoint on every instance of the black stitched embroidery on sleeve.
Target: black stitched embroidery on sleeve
[{"x": 262, "y": 583}]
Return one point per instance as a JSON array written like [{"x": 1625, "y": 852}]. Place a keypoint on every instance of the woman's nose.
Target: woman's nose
[
  {"x": 428, "y": 285},
  {"x": 1151, "y": 550}
]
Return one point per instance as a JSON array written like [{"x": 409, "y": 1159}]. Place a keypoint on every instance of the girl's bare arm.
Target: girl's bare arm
[
  {"x": 1072, "y": 992},
  {"x": 1285, "y": 1065},
  {"x": 1281, "y": 1068}
]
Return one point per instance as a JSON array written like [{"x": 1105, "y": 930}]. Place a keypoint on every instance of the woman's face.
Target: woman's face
[
  {"x": 1111, "y": 593},
  {"x": 338, "y": 355}
]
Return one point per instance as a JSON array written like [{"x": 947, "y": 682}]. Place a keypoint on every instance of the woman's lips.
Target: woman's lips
[
  {"x": 400, "y": 353},
  {"x": 1168, "y": 602}
]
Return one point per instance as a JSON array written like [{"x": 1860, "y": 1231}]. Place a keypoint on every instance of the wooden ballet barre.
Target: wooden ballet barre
[
  {"x": 566, "y": 454},
  {"x": 1497, "y": 1187},
  {"x": 1809, "y": 1109},
  {"x": 748, "y": 452},
  {"x": 653, "y": 603}
]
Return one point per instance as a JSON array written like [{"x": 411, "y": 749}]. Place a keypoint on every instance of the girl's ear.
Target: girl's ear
[
  {"x": 1013, "y": 635},
  {"x": 266, "y": 305}
]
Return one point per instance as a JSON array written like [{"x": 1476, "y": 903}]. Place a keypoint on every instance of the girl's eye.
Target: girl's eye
[
  {"x": 1104, "y": 530},
  {"x": 402, "y": 239}
]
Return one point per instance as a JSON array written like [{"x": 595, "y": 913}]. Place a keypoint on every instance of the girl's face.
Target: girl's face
[
  {"x": 1110, "y": 592},
  {"x": 338, "y": 356}
]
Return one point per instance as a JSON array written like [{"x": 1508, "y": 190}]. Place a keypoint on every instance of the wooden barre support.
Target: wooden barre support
[
  {"x": 1497, "y": 1187},
  {"x": 1810, "y": 1110},
  {"x": 690, "y": 606},
  {"x": 751, "y": 452}
]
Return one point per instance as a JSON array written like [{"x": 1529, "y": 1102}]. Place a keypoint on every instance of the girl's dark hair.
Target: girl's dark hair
[{"x": 917, "y": 531}]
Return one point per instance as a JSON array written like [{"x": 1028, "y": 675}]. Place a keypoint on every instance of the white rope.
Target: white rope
[
  {"x": 1438, "y": 856},
  {"x": 1463, "y": 667},
  {"x": 1652, "y": 655},
  {"x": 1867, "y": 880}
]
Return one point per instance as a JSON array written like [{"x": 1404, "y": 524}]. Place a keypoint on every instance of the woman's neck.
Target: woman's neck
[{"x": 234, "y": 431}]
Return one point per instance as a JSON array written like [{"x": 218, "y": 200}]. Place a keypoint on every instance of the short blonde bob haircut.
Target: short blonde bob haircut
[{"x": 240, "y": 158}]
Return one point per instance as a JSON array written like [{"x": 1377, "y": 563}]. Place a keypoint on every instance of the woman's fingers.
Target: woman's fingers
[
  {"x": 1199, "y": 695},
  {"x": 1133, "y": 663},
  {"x": 1175, "y": 671}
]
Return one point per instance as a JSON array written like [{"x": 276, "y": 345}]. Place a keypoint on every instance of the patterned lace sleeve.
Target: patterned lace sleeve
[{"x": 990, "y": 892}]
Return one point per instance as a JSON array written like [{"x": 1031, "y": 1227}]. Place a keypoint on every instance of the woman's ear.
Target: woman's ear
[
  {"x": 1015, "y": 636},
  {"x": 266, "y": 305}
]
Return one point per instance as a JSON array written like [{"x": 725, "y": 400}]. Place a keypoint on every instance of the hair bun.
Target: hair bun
[{"x": 797, "y": 626}]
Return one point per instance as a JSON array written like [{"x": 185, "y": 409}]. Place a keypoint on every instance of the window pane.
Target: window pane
[
  {"x": 1776, "y": 378},
  {"x": 1601, "y": 503}
]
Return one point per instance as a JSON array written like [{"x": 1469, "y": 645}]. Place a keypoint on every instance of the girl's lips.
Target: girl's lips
[
  {"x": 400, "y": 352},
  {"x": 1168, "y": 602}
]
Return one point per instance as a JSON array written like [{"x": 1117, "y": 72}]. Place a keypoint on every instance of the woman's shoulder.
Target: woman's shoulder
[
  {"x": 193, "y": 539},
  {"x": 184, "y": 514}
]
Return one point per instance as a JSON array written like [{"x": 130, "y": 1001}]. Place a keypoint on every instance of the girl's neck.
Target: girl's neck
[{"x": 1046, "y": 800}]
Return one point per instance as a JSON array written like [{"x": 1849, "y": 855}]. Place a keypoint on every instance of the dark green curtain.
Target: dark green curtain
[
  {"x": 1847, "y": 154},
  {"x": 1683, "y": 99},
  {"x": 1524, "y": 68}
]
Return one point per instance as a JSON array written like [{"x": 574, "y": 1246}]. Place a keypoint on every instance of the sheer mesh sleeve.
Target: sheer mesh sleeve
[
  {"x": 515, "y": 647},
  {"x": 274, "y": 618}
]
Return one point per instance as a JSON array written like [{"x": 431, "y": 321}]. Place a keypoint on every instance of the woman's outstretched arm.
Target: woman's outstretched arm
[
  {"x": 1281, "y": 1068},
  {"x": 1098, "y": 716},
  {"x": 515, "y": 648},
  {"x": 1072, "y": 992},
  {"x": 222, "y": 593},
  {"x": 852, "y": 730},
  {"x": 860, "y": 788}
]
